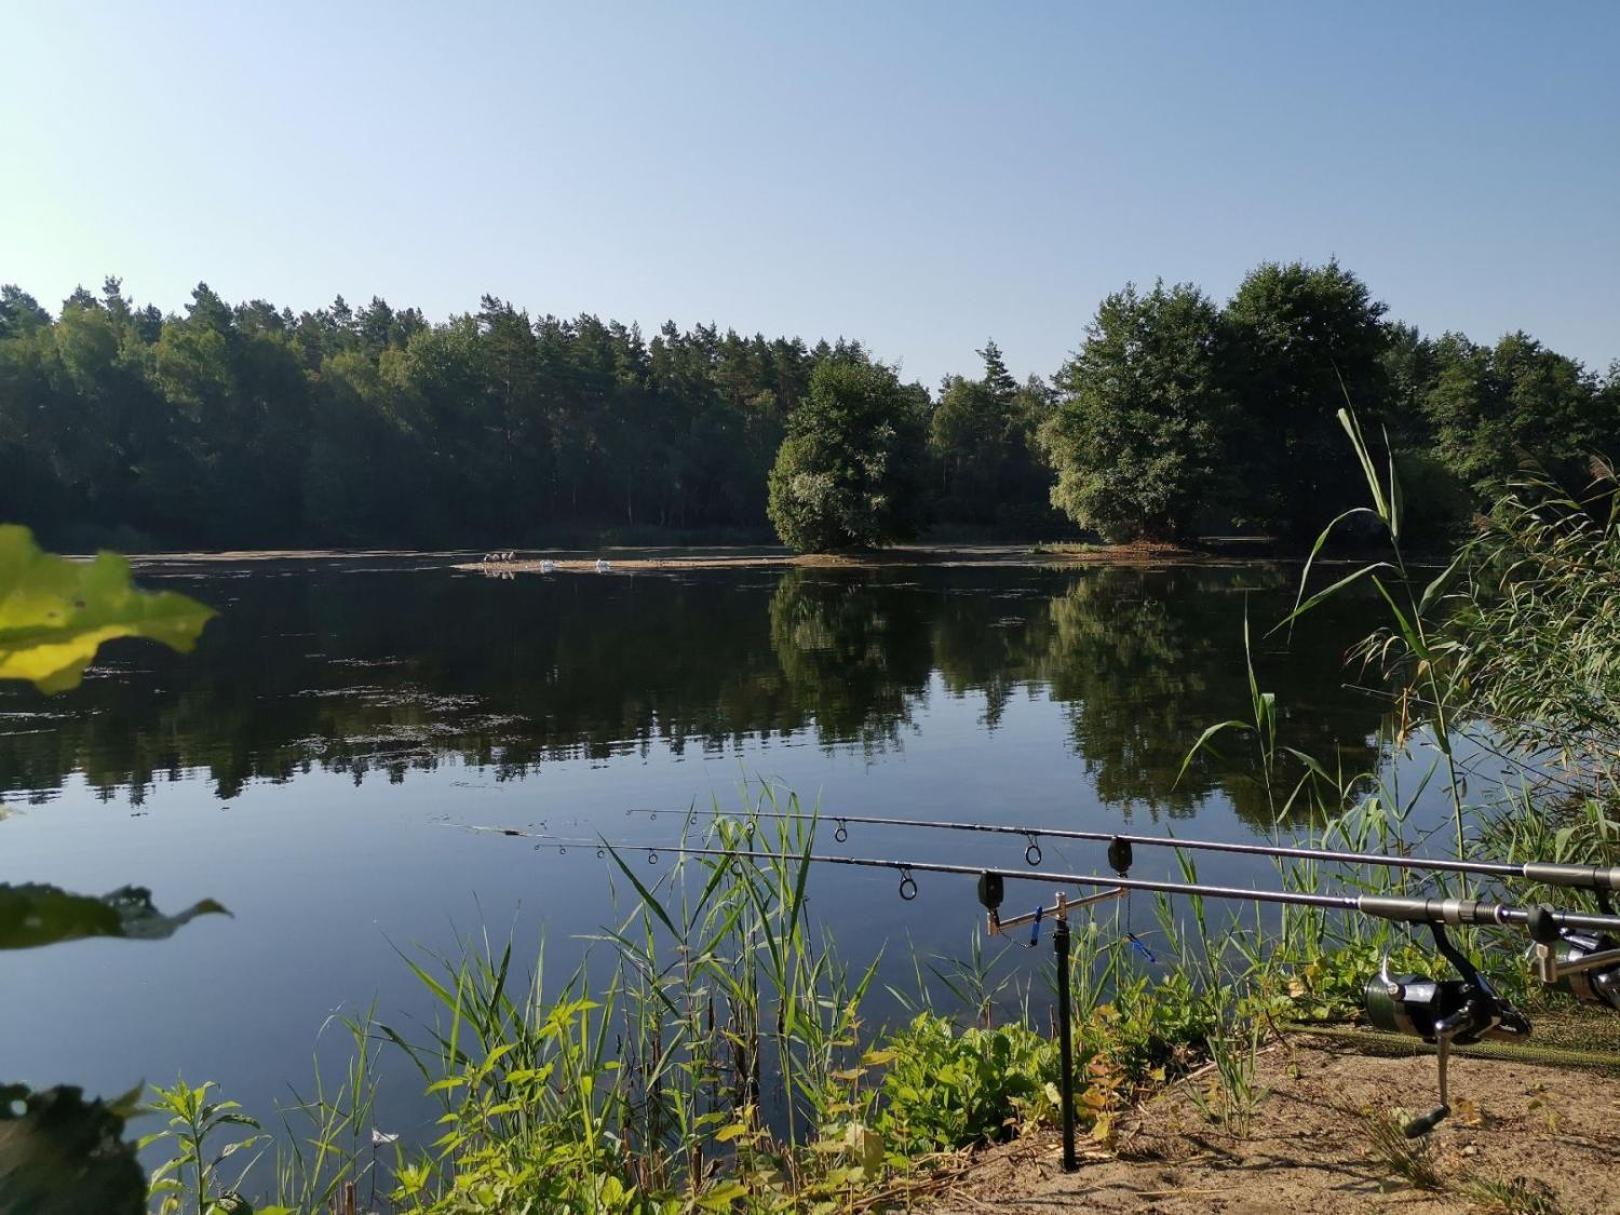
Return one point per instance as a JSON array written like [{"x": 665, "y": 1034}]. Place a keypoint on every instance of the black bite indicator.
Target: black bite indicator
[
  {"x": 991, "y": 890},
  {"x": 1120, "y": 855}
]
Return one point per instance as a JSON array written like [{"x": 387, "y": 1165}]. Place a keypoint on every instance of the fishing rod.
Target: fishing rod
[
  {"x": 1601, "y": 878},
  {"x": 1408, "y": 910},
  {"x": 1577, "y": 950}
]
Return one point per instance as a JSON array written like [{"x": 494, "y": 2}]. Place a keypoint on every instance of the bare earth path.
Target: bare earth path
[{"x": 1310, "y": 1152}]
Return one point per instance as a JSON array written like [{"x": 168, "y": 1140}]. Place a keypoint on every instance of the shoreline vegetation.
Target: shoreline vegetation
[
  {"x": 726, "y": 1064},
  {"x": 247, "y": 426},
  {"x": 1054, "y": 554}
]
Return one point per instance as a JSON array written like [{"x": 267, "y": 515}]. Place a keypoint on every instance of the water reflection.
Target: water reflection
[{"x": 387, "y": 671}]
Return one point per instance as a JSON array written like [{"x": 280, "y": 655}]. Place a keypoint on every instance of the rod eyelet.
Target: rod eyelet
[
  {"x": 908, "y": 886},
  {"x": 841, "y": 833},
  {"x": 1033, "y": 854},
  {"x": 652, "y": 856}
]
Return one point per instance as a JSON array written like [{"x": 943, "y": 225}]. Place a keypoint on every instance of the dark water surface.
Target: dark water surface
[{"x": 312, "y": 763}]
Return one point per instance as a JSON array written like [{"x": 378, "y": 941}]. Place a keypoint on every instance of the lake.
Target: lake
[{"x": 316, "y": 762}]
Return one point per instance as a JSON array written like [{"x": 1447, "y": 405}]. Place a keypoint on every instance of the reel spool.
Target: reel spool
[
  {"x": 1584, "y": 964},
  {"x": 1445, "y": 1012}
]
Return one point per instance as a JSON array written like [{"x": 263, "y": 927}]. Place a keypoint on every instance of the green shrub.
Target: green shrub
[{"x": 946, "y": 1090}]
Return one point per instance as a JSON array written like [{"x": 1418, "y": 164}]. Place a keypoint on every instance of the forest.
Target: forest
[{"x": 246, "y": 425}]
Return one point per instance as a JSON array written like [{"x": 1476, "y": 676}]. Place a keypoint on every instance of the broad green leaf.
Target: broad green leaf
[
  {"x": 722, "y": 1195},
  {"x": 55, "y": 614},
  {"x": 32, "y": 915},
  {"x": 63, "y": 1155}
]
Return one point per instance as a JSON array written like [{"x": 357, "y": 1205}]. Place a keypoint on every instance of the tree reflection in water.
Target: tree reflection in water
[{"x": 322, "y": 665}]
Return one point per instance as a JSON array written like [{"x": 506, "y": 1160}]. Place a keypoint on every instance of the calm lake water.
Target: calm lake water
[{"x": 315, "y": 762}]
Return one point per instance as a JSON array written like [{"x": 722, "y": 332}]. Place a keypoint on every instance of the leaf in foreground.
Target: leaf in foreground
[
  {"x": 55, "y": 613},
  {"x": 63, "y": 1155},
  {"x": 32, "y": 915}
]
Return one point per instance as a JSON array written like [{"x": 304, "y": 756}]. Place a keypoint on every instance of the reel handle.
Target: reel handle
[{"x": 1424, "y": 1123}]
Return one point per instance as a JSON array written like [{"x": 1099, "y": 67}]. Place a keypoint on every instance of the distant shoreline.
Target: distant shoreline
[{"x": 632, "y": 558}]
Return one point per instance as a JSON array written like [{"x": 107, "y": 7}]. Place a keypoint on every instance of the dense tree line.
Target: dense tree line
[
  {"x": 247, "y": 425},
  {"x": 1178, "y": 415}
]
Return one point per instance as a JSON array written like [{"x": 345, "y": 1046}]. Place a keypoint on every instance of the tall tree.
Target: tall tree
[
  {"x": 1305, "y": 340},
  {"x": 1140, "y": 433},
  {"x": 1493, "y": 408},
  {"x": 847, "y": 475},
  {"x": 982, "y": 436}
]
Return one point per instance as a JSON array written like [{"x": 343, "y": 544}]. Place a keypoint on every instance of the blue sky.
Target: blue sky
[{"x": 918, "y": 175}]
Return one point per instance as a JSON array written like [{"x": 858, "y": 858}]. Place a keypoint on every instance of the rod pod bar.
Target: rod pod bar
[{"x": 1602, "y": 878}]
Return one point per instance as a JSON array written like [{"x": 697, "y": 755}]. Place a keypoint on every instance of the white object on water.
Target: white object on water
[
  {"x": 602, "y": 566},
  {"x": 383, "y": 1138},
  {"x": 548, "y": 567}
]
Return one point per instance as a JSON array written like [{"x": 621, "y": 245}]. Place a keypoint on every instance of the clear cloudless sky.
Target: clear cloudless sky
[{"x": 919, "y": 175}]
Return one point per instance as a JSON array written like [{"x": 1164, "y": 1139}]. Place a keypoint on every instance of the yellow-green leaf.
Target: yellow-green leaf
[{"x": 55, "y": 614}]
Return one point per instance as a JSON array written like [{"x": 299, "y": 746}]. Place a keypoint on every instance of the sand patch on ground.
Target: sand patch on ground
[{"x": 1310, "y": 1152}]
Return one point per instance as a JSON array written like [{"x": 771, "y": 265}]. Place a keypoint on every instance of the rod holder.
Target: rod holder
[
  {"x": 1064, "y": 904},
  {"x": 1060, "y": 945}
]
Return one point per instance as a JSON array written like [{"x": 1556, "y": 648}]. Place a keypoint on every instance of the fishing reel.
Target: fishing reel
[
  {"x": 1584, "y": 964},
  {"x": 1445, "y": 1012}
]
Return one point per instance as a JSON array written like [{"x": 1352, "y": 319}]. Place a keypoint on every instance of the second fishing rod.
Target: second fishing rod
[
  {"x": 1571, "y": 949},
  {"x": 1603, "y": 879},
  {"x": 1409, "y": 910}
]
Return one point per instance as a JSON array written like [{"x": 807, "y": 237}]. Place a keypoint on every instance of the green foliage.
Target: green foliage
[
  {"x": 1512, "y": 1196},
  {"x": 250, "y": 426},
  {"x": 1490, "y": 409},
  {"x": 247, "y": 425},
  {"x": 1140, "y": 433},
  {"x": 982, "y": 438},
  {"x": 847, "y": 475},
  {"x": 1233, "y": 1095},
  {"x": 326, "y": 1130},
  {"x": 188, "y": 1181},
  {"x": 63, "y": 1155},
  {"x": 943, "y": 1089},
  {"x": 59, "y": 1153},
  {"x": 1536, "y": 615},
  {"x": 55, "y": 614},
  {"x": 1304, "y": 338},
  {"x": 1151, "y": 1026},
  {"x": 1410, "y": 1160},
  {"x": 523, "y": 1127}
]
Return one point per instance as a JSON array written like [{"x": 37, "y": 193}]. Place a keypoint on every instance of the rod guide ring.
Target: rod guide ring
[{"x": 908, "y": 885}]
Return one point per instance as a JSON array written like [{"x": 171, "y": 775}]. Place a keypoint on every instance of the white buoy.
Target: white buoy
[
  {"x": 602, "y": 566},
  {"x": 548, "y": 567}
]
